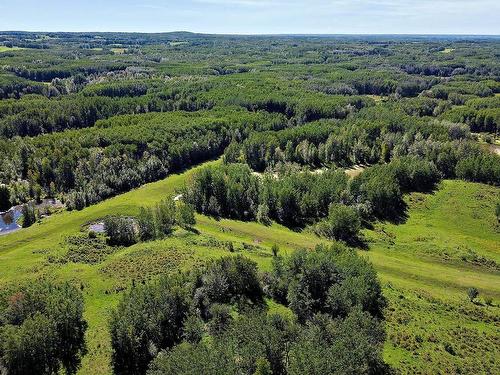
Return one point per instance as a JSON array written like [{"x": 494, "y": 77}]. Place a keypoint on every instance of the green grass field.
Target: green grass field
[
  {"x": 449, "y": 243},
  {"x": 6, "y": 49},
  {"x": 118, "y": 51}
]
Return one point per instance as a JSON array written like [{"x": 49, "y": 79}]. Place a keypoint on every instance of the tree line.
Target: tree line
[{"x": 334, "y": 203}]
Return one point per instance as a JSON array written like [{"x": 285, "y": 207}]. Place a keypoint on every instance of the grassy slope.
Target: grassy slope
[{"x": 425, "y": 265}]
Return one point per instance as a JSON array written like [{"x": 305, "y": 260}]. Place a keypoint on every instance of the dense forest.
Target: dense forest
[
  {"x": 325, "y": 135},
  {"x": 372, "y": 100}
]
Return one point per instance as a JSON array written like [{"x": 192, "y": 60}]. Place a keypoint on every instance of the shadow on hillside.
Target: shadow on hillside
[
  {"x": 358, "y": 242},
  {"x": 396, "y": 215}
]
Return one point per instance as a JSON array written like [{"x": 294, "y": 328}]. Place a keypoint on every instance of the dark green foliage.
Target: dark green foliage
[
  {"x": 291, "y": 199},
  {"x": 380, "y": 186},
  {"x": 185, "y": 215},
  {"x": 295, "y": 197},
  {"x": 147, "y": 320},
  {"x": 350, "y": 346},
  {"x": 228, "y": 190},
  {"x": 29, "y": 214},
  {"x": 147, "y": 224},
  {"x": 42, "y": 329},
  {"x": 193, "y": 329},
  {"x": 250, "y": 344},
  {"x": 220, "y": 318},
  {"x": 260, "y": 344},
  {"x": 472, "y": 293},
  {"x": 165, "y": 214},
  {"x": 482, "y": 115},
  {"x": 333, "y": 281},
  {"x": 227, "y": 280},
  {"x": 121, "y": 231},
  {"x": 480, "y": 168},
  {"x": 225, "y": 300},
  {"x": 121, "y": 153},
  {"x": 273, "y": 100},
  {"x": 415, "y": 175},
  {"x": 4, "y": 198},
  {"x": 343, "y": 223},
  {"x": 155, "y": 317}
]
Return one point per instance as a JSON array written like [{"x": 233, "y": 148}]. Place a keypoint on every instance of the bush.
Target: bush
[
  {"x": 472, "y": 293},
  {"x": 121, "y": 231},
  {"x": 350, "y": 346},
  {"x": 147, "y": 224},
  {"x": 193, "y": 329},
  {"x": 220, "y": 317},
  {"x": 380, "y": 186},
  {"x": 185, "y": 215},
  {"x": 29, "y": 215},
  {"x": 479, "y": 168},
  {"x": 343, "y": 223},
  {"x": 227, "y": 280}
]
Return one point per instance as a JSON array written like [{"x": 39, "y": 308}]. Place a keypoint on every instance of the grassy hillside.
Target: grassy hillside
[{"x": 448, "y": 244}]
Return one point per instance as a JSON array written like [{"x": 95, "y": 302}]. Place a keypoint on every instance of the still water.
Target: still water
[{"x": 8, "y": 220}]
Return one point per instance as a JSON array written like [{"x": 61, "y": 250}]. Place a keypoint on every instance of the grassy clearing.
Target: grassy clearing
[
  {"x": 449, "y": 243},
  {"x": 176, "y": 44},
  {"x": 7, "y": 49},
  {"x": 448, "y": 50},
  {"x": 118, "y": 51},
  {"x": 378, "y": 98}
]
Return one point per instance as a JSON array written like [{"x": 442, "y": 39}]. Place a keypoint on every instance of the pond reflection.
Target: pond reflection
[{"x": 8, "y": 220}]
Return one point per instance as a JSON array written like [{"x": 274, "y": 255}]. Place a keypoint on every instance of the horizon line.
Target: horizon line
[{"x": 249, "y": 34}]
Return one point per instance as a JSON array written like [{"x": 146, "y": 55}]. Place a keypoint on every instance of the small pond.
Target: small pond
[{"x": 8, "y": 220}]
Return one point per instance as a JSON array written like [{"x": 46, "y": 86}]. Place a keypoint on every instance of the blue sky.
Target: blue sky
[{"x": 256, "y": 16}]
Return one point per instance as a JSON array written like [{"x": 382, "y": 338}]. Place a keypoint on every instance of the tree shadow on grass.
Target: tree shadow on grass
[
  {"x": 396, "y": 215},
  {"x": 358, "y": 242}
]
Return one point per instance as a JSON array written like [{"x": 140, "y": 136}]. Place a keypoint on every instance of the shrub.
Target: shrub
[
  {"x": 121, "y": 231},
  {"x": 193, "y": 329},
  {"x": 343, "y": 223},
  {"x": 472, "y": 293},
  {"x": 220, "y": 318},
  {"x": 185, "y": 215},
  {"x": 147, "y": 224},
  {"x": 263, "y": 214},
  {"x": 29, "y": 215}
]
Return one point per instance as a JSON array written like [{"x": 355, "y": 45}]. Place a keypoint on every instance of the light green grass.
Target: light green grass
[
  {"x": 175, "y": 44},
  {"x": 426, "y": 268},
  {"x": 118, "y": 51},
  {"x": 420, "y": 264},
  {"x": 7, "y": 49}
]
